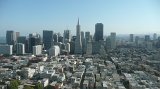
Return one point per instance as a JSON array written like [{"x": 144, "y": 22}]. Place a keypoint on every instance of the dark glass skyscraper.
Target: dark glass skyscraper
[
  {"x": 98, "y": 32},
  {"x": 10, "y": 37},
  {"x": 34, "y": 39},
  {"x": 47, "y": 39}
]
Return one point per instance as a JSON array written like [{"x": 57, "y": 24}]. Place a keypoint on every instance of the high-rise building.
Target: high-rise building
[
  {"x": 96, "y": 46},
  {"x": 17, "y": 35},
  {"x": 89, "y": 46},
  {"x": 66, "y": 36},
  {"x": 10, "y": 37},
  {"x": 78, "y": 43},
  {"x": 60, "y": 38},
  {"x": 131, "y": 38},
  {"x": 98, "y": 32},
  {"x": 113, "y": 40},
  {"x": 20, "y": 48},
  {"x": 68, "y": 47},
  {"x": 72, "y": 44},
  {"x": 6, "y": 49},
  {"x": 154, "y": 36},
  {"x": 147, "y": 38},
  {"x": 137, "y": 40},
  {"x": 54, "y": 51},
  {"x": 55, "y": 37},
  {"x": 37, "y": 49},
  {"x": 21, "y": 39},
  {"x": 83, "y": 42},
  {"x": 108, "y": 43},
  {"x": 34, "y": 39},
  {"x": 87, "y": 38},
  {"x": 47, "y": 39}
]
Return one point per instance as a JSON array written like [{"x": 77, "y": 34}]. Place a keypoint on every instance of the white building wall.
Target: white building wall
[
  {"x": 68, "y": 47},
  {"x": 37, "y": 50},
  {"x": 54, "y": 51}
]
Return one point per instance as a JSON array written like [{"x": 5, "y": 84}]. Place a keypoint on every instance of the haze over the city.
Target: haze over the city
[{"x": 120, "y": 16}]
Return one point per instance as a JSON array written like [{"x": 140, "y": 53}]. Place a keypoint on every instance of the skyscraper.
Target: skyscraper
[
  {"x": 83, "y": 42},
  {"x": 147, "y": 38},
  {"x": 87, "y": 38},
  {"x": 55, "y": 37},
  {"x": 10, "y": 37},
  {"x": 66, "y": 36},
  {"x": 20, "y": 48},
  {"x": 113, "y": 40},
  {"x": 131, "y": 38},
  {"x": 108, "y": 43},
  {"x": 89, "y": 46},
  {"x": 78, "y": 43},
  {"x": 154, "y": 36},
  {"x": 34, "y": 39},
  {"x": 98, "y": 32},
  {"x": 47, "y": 39},
  {"x": 21, "y": 39}
]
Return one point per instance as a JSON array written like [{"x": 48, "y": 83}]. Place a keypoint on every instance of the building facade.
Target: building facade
[
  {"x": 47, "y": 39},
  {"x": 98, "y": 32},
  {"x": 78, "y": 41}
]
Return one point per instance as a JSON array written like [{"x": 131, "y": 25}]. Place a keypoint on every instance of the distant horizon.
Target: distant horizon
[{"x": 127, "y": 34}]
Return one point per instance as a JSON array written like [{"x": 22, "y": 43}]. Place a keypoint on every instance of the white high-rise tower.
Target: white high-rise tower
[{"x": 78, "y": 42}]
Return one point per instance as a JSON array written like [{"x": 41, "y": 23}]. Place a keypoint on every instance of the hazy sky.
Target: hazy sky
[{"x": 120, "y": 16}]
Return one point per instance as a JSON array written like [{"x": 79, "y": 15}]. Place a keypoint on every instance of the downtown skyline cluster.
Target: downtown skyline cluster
[{"x": 84, "y": 61}]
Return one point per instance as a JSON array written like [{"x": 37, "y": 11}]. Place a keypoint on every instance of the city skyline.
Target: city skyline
[{"x": 122, "y": 17}]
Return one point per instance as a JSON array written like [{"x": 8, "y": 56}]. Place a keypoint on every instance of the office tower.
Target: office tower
[
  {"x": 131, "y": 39},
  {"x": 78, "y": 43},
  {"x": 21, "y": 39},
  {"x": 10, "y": 37},
  {"x": 89, "y": 46},
  {"x": 98, "y": 32},
  {"x": 66, "y": 36},
  {"x": 60, "y": 38},
  {"x": 54, "y": 51},
  {"x": 147, "y": 38},
  {"x": 83, "y": 41},
  {"x": 68, "y": 47},
  {"x": 154, "y": 36},
  {"x": 96, "y": 45},
  {"x": 47, "y": 39},
  {"x": 20, "y": 48},
  {"x": 108, "y": 43},
  {"x": 37, "y": 49},
  {"x": 113, "y": 40},
  {"x": 82, "y": 36},
  {"x": 6, "y": 49},
  {"x": 72, "y": 44},
  {"x": 55, "y": 37},
  {"x": 158, "y": 42},
  {"x": 87, "y": 37},
  {"x": 17, "y": 35},
  {"x": 34, "y": 39},
  {"x": 137, "y": 40}
]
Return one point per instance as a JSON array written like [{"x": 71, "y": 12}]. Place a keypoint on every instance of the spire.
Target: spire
[{"x": 78, "y": 21}]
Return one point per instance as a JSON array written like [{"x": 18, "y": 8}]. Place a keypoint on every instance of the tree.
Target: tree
[
  {"x": 48, "y": 87},
  {"x": 14, "y": 84},
  {"x": 39, "y": 86},
  {"x": 28, "y": 87}
]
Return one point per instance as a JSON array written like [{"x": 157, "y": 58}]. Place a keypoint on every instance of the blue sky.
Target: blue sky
[{"x": 120, "y": 16}]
